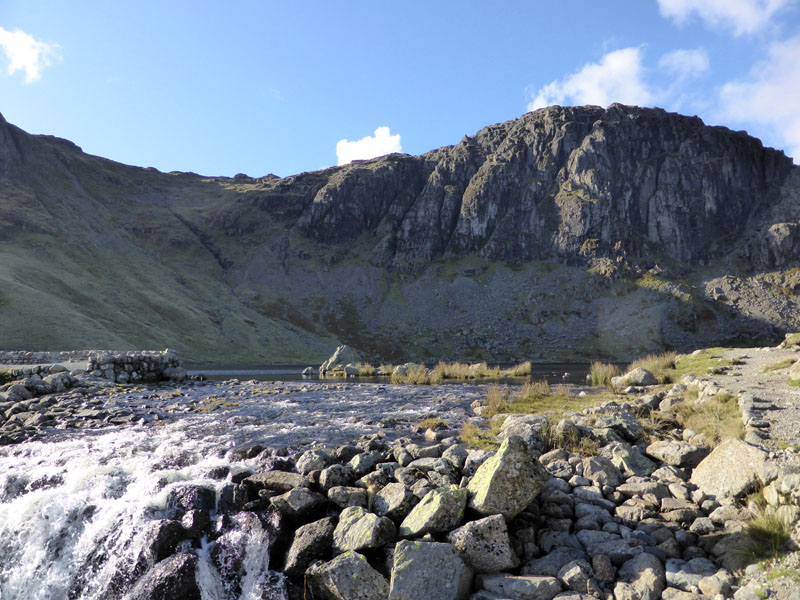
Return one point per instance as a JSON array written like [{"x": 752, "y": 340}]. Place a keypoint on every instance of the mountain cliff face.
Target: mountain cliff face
[{"x": 570, "y": 233}]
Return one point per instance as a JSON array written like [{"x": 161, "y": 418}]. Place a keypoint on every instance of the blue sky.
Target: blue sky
[{"x": 277, "y": 87}]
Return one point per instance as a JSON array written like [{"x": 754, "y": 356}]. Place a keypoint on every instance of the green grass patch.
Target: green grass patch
[
  {"x": 783, "y": 572},
  {"x": 601, "y": 373},
  {"x": 718, "y": 418},
  {"x": 766, "y": 535},
  {"x": 781, "y": 364},
  {"x": 794, "y": 382},
  {"x": 421, "y": 375}
]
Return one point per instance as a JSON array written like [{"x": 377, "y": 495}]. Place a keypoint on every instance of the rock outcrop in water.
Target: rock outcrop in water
[{"x": 566, "y": 233}]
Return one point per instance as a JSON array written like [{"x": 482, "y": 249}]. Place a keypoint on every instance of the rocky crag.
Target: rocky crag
[{"x": 568, "y": 233}]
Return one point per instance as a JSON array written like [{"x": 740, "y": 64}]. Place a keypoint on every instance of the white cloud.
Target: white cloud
[
  {"x": 24, "y": 53},
  {"x": 616, "y": 78},
  {"x": 743, "y": 16},
  {"x": 368, "y": 147},
  {"x": 684, "y": 64},
  {"x": 768, "y": 95}
]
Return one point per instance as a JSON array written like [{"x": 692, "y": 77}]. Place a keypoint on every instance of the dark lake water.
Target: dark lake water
[{"x": 553, "y": 373}]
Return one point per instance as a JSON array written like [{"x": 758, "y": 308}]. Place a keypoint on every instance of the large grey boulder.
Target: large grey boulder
[
  {"x": 298, "y": 503},
  {"x": 440, "y": 510},
  {"x": 428, "y": 570},
  {"x": 347, "y": 577},
  {"x": 485, "y": 545},
  {"x": 531, "y": 428},
  {"x": 638, "y": 376},
  {"x": 508, "y": 481},
  {"x": 520, "y": 587},
  {"x": 311, "y": 542},
  {"x": 173, "y": 577},
  {"x": 343, "y": 355},
  {"x": 794, "y": 371},
  {"x": 601, "y": 470},
  {"x": 628, "y": 459},
  {"x": 394, "y": 501},
  {"x": 360, "y": 530},
  {"x": 676, "y": 453},
  {"x": 730, "y": 470},
  {"x": 640, "y": 578}
]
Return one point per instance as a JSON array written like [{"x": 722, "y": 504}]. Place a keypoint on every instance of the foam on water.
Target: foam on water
[{"x": 74, "y": 514}]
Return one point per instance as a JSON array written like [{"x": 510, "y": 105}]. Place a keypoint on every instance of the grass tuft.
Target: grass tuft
[
  {"x": 5, "y": 377},
  {"x": 434, "y": 423},
  {"x": 365, "y": 370},
  {"x": 717, "y": 419},
  {"x": 781, "y": 364},
  {"x": 602, "y": 373},
  {"x": 764, "y": 536}
]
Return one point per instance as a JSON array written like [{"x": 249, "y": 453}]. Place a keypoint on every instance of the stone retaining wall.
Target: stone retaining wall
[
  {"x": 24, "y": 357},
  {"x": 129, "y": 367}
]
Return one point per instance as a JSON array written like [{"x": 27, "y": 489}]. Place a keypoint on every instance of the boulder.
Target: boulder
[
  {"x": 639, "y": 376},
  {"x": 298, "y": 503},
  {"x": 628, "y": 459},
  {"x": 640, "y": 578},
  {"x": 276, "y": 481},
  {"x": 312, "y": 460},
  {"x": 440, "y": 510},
  {"x": 485, "y": 545},
  {"x": 531, "y": 428},
  {"x": 360, "y": 530},
  {"x": 794, "y": 371},
  {"x": 342, "y": 356},
  {"x": 508, "y": 481},
  {"x": 347, "y": 577},
  {"x": 310, "y": 543},
  {"x": 173, "y": 577},
  {"x": 520, "y": 587},
  {"x": 730, "y": 470},
  {"x": 602, "y": 471},
  {"x": 676, "y": 453},
  {"x": 428, "y": 570},
  {"x": 394, "y": 501}
]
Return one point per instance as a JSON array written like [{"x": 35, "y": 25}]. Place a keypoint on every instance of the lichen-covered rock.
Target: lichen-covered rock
[
  {"x": 641, "y": 578},
  {"x": 311, "y": 542},
  {"x": 730, "y": 470},
  {"x": 276, "y": 481},
  {"x": 360, "y": 530},
  {"x": 628, "y": 459},
  {"x": 298, "y": 503},
  {"x": 347, "y": 577},
  {"x": 312, "y": 460},
  {"x": 484, "y": 544},
  {"x": 440, "y": 510},
  {"x": 531, "y": 428},
  {"x": 508, "y": 481},
  {"x": 428, "y": 570}
]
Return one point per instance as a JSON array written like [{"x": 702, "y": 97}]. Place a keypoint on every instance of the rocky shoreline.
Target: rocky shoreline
[{"x": 425, "y": 516}]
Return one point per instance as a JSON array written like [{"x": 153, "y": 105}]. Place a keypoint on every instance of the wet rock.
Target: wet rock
[
  {"x": 485, "y": 545},
  {"x": 347, "y": 577},
  {"x": 440, "y": 510},
  {"x": 520, "y": 587},
  {"x": 195, "y": 523},
  {"x": 174, "y": 577},
  {"x": 162, "y": 539},
  {"x": 428, "y": 570},
  {"x": 360, "y": 530},
  {"x": 311, "y": 542},
  {"x": 508, "y": 481},
  {"x": 188, "y": 497},
  {"x": 730, "y": 470}
]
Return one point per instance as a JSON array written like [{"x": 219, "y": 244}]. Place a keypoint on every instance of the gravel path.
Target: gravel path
[{"x": 780, "y": 401}]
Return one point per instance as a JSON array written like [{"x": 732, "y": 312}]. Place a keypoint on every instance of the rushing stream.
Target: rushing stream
[{"x": 77, "y": 508}]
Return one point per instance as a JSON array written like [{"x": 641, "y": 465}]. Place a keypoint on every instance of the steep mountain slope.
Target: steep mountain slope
[{"x": 568, "y": 233}]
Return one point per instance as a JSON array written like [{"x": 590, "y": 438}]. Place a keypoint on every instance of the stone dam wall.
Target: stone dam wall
[{"x": 117, "y": 366}]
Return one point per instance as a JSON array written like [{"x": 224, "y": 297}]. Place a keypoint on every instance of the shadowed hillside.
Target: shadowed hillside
[{"x": 568, "y": 233}]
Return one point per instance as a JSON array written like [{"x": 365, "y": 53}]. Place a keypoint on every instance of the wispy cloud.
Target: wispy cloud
[
  {"x": 685, "y": 64},
  {"x": 741, "y": 16},
  {"x": 768, "y": 95},
  {"x": 368, "y": 147},
  {"x": 27, "y": 54}
]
